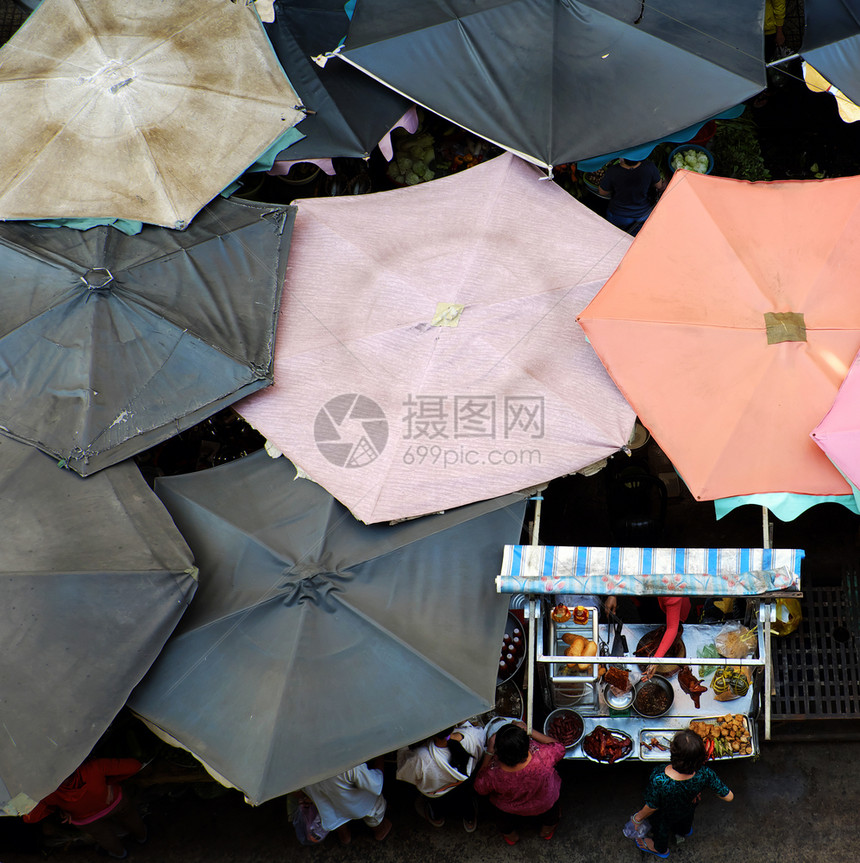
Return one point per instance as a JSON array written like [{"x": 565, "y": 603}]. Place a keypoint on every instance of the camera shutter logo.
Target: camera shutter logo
[{"x": 351, "y": 430}]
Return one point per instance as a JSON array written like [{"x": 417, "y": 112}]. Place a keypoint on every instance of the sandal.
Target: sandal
[
  {"x": 548, "y": 833},
  {"x": 511, "y": 838},
  {"x": 640, "y": 844}
]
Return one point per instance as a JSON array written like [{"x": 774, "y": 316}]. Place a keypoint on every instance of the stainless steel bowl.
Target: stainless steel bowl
[
  {"x": 564, "y": 711},
  {"x": 664, "y": 684},
  {"x": 618, "y": 700}
]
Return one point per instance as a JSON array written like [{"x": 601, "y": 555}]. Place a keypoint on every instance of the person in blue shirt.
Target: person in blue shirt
[{"x": 628, "y": 185}]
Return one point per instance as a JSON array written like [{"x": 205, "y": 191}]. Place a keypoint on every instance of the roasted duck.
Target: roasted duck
[
  {"x": 606, "y": 745},
  {"x": 691, "y": 684}
]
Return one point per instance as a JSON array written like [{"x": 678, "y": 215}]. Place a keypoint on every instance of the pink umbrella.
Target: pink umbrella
[
  {"x": 427, "y": 353},
  {"x": 838, "y": 434}
]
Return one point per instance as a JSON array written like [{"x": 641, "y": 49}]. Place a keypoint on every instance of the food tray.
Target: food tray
[
  {"x": 714, "y": 720},
  {"x": 661, "y": 735},
  {"x": 615, "y": 732}
]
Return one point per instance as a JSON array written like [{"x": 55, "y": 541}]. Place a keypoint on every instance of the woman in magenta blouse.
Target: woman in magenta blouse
[{"x": 518, "y": 774}]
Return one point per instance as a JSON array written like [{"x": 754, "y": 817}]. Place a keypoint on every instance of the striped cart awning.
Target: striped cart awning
[{"x": 644, "y": 571}]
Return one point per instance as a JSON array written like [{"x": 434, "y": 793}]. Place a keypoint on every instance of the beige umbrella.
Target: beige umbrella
[{"x": 142, "y": 111}]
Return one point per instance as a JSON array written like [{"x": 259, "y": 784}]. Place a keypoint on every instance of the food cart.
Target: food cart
[{"x": 758, "y": 575}]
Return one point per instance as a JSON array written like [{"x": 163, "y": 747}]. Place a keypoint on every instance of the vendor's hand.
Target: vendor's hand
[
  {"x": 610, "y": 604},
  {"x": 520, "y": 723},
  {"x": 650, "y": 671},
  {"x": 780, "y": 37},
  {"x": 491, "y": 744}
]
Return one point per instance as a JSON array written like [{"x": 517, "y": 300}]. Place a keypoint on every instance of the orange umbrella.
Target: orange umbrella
[{"x": 730, "y": 324}]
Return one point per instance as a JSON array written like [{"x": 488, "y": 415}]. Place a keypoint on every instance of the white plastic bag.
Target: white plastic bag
[{"x": 636, "y": 829}]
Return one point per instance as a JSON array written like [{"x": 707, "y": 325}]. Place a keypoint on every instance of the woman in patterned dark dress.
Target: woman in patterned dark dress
[{"x": 674, "y": 791}]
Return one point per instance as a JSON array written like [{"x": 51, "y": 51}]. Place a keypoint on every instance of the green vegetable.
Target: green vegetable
[
  {"x": 736, "y": 150},
  {"x": 709, "y": 651}
]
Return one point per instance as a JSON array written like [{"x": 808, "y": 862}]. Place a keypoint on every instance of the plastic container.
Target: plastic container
[{"x": 682, "y": 148}]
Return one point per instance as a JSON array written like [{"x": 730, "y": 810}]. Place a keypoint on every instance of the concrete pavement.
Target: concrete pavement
[{"x": 796, "y": 803}]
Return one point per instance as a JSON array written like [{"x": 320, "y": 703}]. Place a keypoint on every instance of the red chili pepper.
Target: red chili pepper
[{"x": 709, "y": 748}]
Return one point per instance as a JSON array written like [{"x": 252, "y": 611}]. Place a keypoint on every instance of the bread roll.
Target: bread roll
[
  {"x": 577, "y": 646},
  {"x": 590, "y": 649}
]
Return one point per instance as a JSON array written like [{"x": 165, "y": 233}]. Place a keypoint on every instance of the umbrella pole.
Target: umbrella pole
[
  {"x": 538, "y": 499},
  {"x": 767, "y": 542}
]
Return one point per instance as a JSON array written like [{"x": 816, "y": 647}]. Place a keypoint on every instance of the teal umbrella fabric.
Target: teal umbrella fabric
[
  {"x": 316, "y": 642},
  {"x": 110, "y": 344},
  {"x": 94, "y": 576}
]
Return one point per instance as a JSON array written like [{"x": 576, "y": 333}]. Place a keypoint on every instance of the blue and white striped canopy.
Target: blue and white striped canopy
[{"x": 644, "y": 571}]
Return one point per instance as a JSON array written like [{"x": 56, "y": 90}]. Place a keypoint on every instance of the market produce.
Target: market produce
[
  {"x": 691, "y": 684},
  {"x": 725, "y": 736},
  {"x": 609, "y": 745},
  {"x": 691, "y": 160},
  {"x": 566, "y": 727},
  {"x": 412, "y": 158}
]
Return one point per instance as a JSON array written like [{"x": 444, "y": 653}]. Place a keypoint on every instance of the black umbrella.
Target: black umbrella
[
  {"x": 93, "y": 577},
  {"x": 557, "y": 81},
  {"x": 110, "y": 343},
  {"x": 351, "y": 112},
  {"x": 315, "y": 641}
]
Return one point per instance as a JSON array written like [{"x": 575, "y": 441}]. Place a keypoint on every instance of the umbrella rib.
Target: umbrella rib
[
  {"x": 701, "y": 32},
  {"x": 258, "y": 99},
  {"x": 152, "y": 48},
  {"x": 30, "y": 168}
]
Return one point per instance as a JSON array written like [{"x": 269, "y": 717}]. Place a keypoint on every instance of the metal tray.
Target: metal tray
[
  {"x": 711, "y": 720},
  {"x": 662, "y": 735},
  {"x": 615, "y": 732}
]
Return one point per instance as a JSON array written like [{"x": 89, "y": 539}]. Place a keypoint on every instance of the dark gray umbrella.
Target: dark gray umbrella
[
  {"x": 831, "y": 42},
  {"x": 110, "y": 344},
  {"x": 93, "y": 578},
  {"x": 350, "y": 111},
  {"x": 315, "y": 641},
  {"x": 557, "y": 81}
]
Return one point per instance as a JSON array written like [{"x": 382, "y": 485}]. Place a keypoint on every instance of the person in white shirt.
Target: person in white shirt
[
  {"x": 441, "y": 768},
  {"x": 351, "y": 795}
]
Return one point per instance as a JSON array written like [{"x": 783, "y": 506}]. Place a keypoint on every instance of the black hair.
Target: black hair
[
  {"x": 458, "y": 757},
  {"x": 512, "y": 745},
  {"x": 687, "y": 752}
]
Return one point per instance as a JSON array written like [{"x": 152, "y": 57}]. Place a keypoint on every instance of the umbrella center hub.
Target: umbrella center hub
[
  {"x": 306, "y": 582},
  {"x": 114, "y": 76},
  {"x": 98, "y": 279}
]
